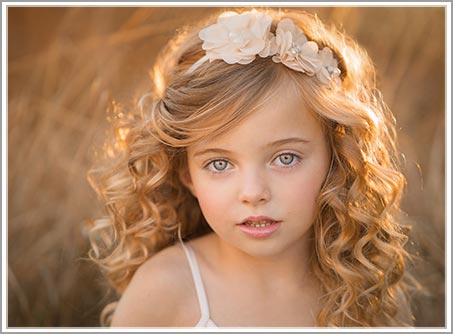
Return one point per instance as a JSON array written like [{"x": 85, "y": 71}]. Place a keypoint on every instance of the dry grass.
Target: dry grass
[{"x": 66, "y": 65}]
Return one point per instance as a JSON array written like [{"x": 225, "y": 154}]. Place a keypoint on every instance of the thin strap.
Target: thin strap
[{"x": 202, "y": 300}]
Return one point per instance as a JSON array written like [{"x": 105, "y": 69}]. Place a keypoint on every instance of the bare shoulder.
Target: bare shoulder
[{"x": 160, "y": 294}]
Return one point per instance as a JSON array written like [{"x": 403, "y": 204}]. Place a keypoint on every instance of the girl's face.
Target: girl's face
[{"x": 257, "y": 184}]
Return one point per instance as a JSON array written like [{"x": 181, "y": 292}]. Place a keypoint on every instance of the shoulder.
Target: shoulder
[{"x": 160, "y": 294}]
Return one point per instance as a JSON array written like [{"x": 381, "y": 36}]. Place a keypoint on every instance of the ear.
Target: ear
[{"x": 186, "y": 179}]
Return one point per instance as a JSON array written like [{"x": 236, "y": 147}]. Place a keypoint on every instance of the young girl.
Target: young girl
[{"x": 258, "y": 186}]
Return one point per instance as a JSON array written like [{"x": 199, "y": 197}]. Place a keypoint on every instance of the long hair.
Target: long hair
[{"x": 359, "y": 244}]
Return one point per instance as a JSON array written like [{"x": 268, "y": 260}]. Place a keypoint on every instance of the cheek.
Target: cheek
[
  {"x": 213, "y": 198},
  {"x": 303, "y": 190},
  {"x": 301, "y": 194}
]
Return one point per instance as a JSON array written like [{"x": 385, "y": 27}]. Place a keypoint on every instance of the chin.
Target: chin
[{"x": 262, "y": 248}]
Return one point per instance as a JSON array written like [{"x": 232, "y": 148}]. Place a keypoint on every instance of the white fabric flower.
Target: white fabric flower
[
  {"x": 237, "y": 38},
  {"x": 270, "y": 47},
  {"x": 329, "y": 69},
  {"x": 294, "y": 50}
]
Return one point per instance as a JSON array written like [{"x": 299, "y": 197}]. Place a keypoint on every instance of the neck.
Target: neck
[{"x": 291, "y": 265}]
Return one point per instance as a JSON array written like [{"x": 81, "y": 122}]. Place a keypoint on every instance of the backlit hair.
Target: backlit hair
[{"x": 359, "y": 255}]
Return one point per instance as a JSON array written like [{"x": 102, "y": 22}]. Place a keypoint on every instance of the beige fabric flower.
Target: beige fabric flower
[
  {"x": 237, "y": 38},
  {"x": 294, "y": 50},
  {"x": 329, "y": 67}
]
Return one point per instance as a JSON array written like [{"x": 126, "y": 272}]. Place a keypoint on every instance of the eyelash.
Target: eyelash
[
  {"x": 297, "y": 158},
  {"x": 210, "y": 166}
]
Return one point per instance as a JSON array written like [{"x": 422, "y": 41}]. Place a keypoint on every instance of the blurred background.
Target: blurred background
[{"x": 68, "y": 67}]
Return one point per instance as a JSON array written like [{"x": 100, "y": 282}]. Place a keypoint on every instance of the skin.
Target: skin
[
  {"x": 272, "y": 164},
  {"x": 251, "y": 170}
]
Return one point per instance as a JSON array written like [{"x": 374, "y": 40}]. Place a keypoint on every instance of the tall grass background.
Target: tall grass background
[{"x": 68, "y": 67}]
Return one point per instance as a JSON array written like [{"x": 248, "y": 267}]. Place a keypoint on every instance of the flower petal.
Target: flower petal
[
  {"x": 310, "y": 65},
  {"x": 253, "y": 47},
  {"x": 309, "y": 49},
  {"x": 246, "y": 60},
  {"x": 230, "y": 58},
  {"x": 227, "y": 14},
  {"x": 293, "y": 64},
  {"x": 261, "y": 25},
  {"x": 214, "y": 34},
  {"x": 326, "y": 56},
  {"x": 276, "y": 58},
  {"x": 323, "y": 76},
  {"x": 236, "y": 22},
  {"x": 286, "y": 25},
  {"x": 270, "y": 48}
]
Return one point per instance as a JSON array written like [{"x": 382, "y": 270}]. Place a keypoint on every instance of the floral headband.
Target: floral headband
[{"x": 238, "y": 38}]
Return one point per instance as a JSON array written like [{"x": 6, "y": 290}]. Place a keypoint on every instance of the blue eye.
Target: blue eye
[
  {"x": 218, "y": 165},
  {"x": 286, "y": 159}
]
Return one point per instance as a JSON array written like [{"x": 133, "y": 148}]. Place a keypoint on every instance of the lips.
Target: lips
[
  {"x": 260, "y": 223},
  {"x": 257, "y": 219},
  {"x": 259, "y": 227}
]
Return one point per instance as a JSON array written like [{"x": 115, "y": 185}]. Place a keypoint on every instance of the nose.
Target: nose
[{"x": 254, "y": 189}]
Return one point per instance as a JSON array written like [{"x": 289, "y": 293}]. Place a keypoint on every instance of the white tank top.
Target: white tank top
[{"x": 205, "y": 319}]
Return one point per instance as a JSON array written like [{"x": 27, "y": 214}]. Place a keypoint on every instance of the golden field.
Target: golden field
[{"x": 69, "y": 66}]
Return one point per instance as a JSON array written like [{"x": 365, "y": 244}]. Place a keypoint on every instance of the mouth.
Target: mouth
[
  {"x": 259, "y": 227},
  {"x": 258, "y": 221},
  {"x": 261, "y": 223}
]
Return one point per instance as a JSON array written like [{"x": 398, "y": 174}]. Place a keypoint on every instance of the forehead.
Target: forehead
[{"x": 281, "y": 114}]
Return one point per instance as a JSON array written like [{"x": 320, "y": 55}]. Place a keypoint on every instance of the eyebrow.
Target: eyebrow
[
  {"x": 211, "y": 150},
  {"x": 288, "y": 141},
  {"x": 273, "y": 144}
]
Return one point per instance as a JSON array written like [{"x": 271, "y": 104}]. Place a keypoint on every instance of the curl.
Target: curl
[{"x": 359, "y": 244}]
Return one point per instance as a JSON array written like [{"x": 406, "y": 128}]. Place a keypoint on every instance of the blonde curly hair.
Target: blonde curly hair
[{"x": 359, "y": 243}]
